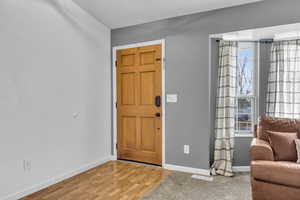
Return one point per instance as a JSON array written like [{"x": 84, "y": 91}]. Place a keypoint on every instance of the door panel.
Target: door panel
[
  {"x": 138, "y": 83},
  {"x": 127, "y": 59},
  {"x": 129, "y": 126},
  {"x": 128, "y": 88},
  {"x": 147, "y": 57},
  {"x": 147, "y": 82},
  {"x": 148, "y": 134}
]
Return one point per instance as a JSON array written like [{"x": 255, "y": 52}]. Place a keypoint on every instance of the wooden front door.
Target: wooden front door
[{"x": 139, "y": 104}]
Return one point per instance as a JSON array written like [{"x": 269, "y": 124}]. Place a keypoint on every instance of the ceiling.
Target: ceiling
[{"x": 122, "y": 13}]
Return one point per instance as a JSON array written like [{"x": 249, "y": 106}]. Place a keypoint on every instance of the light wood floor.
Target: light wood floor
[{"x": 114, "y": 180}]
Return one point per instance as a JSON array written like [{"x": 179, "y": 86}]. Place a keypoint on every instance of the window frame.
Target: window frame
[{"x": 254, "y": 96}]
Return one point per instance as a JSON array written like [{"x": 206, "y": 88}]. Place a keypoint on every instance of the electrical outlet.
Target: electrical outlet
[{"x": 186, "y": 149}]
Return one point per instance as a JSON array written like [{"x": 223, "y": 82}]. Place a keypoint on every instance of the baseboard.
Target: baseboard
[
  {"x": 241, "y": 168},
  {"x": 55, "y": 180},
  {"x": 205, "y": 172},
  {"x": 113, "y": 157}
]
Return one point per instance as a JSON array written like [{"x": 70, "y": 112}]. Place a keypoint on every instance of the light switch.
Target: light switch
[{"x": 172, "y": 98}]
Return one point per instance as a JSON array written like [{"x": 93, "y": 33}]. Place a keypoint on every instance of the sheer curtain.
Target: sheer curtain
[
  {"x": 283, "y": 97},
  {"x": 225, "y": 108}
]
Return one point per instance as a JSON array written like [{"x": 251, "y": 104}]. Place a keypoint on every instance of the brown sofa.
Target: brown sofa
[{"x": 273, "y": 179}]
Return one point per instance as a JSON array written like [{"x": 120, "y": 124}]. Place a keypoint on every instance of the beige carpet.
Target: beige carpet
[{"x": 180, "y": 186}]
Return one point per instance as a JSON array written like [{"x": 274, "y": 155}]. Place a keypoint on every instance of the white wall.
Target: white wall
[{"x": 54, "y": 63}]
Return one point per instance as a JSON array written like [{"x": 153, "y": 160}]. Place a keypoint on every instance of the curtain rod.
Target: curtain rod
[{"x": 267, "y": 41}]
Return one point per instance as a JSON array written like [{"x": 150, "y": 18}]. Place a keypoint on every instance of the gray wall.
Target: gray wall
[
  {"x": 265, "y": 50},
  {"x": 54, "y": 81},
  {"x": 214, "y": 62},
  {"x": 188, "y": 72}
]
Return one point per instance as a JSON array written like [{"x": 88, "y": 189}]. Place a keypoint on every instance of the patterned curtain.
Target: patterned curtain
[
  {"x": 225, "y": 108},
  {"x": 283, "y": 97}
]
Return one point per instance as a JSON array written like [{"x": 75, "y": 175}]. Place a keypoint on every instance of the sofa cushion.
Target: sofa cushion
[
  {"x": 267, "y": 123},
  {"x": 277, "y": 172},
  {"x": 283, "y": 145},
  {"x": 261, "y": 150}
]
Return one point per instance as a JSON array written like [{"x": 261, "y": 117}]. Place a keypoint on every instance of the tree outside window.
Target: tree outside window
[{"x": 245, "y": 100}]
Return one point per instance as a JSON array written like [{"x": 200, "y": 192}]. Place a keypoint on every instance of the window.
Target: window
[{"x": 245, "y": 112}]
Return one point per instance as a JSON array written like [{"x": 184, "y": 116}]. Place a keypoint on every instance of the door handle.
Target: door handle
[
  {"x": 157, "y": 101},
  {"x": 157, "y": 114}
]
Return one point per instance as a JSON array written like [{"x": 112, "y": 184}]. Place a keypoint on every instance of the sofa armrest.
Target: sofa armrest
[{"x": 261, "y": 150}]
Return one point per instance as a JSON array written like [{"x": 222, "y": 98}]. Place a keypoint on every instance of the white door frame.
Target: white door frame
[{"x": 115, "y": 138}]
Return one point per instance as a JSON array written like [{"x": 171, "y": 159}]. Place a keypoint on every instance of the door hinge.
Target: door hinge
[
  {"x": 158, "y": 59},
  {"x": 116, "y": 63},
  {"x": 116, "y": 146},
  {"x": 116, "y": 105}
]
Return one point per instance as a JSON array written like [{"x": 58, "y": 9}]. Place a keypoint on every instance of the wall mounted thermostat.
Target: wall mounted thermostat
[{"x": 172, "y": 98}]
